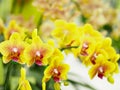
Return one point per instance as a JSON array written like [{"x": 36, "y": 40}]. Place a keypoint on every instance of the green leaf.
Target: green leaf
[{"x": 1, "y": 73}]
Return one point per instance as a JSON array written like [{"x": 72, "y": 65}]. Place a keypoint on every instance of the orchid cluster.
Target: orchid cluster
[
  {"x": 36, "y": 35},
  {"x": 94, "y": 50},
  {"x": 104, "y": 16},
  {"x": 24, "y": 50}
]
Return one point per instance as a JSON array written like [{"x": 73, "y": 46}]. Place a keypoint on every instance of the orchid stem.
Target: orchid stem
[
  {"x": 68, "y": 47},
  {"x": 40, "y": 21}
]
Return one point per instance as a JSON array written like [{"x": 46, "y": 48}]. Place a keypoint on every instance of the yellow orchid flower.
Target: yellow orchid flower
[
  {"x": 13, "y": 27},
  {"x": 23, "y": 83},
  {"x": 56, "y": 70},
  {"x": 92, "y": 59},
  {"x": 85, "y": 49},
  {"x": 88, "y": 42},
  {"x": 67, "y": 34},
  {"x": 102, "y": 68},
  {"x": 90, "y": 31},
  {"x": 37, "y": 52},
  {"x": 87, "y": 46},
  {"x": 13, "y": 48},
  {"x": 103, "y": 48},
  {"x": 107, "y": 46}
]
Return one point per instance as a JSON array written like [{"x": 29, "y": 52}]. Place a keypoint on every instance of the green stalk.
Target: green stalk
[
  {"x": 2, "y": 73},
  {"x": 68, "y": 47},
  {"x": 22, "y": 6},
  {"x": 13, "y": 6},
  {"x": 40, "y": 21}
]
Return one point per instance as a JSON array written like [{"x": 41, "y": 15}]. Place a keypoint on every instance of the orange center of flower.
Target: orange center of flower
[
  {"x": 100, "y": 72},
  {"x": 56, "y": 75},
  {"x": 38, "y": 58},
  {"x": 84, "y": 48},
  {"x": 93, "y": 58},
  {"x": 14, "y": 55}
]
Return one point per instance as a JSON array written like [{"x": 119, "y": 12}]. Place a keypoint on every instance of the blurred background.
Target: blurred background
[{"x": 104, "y": 15}]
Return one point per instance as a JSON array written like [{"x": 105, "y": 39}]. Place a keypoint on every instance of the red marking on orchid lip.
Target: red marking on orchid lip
[
  {"x": 58, "y": 74},
  {"x": 15, "y": 59},
  {"x": 83, "y": 50},
  {"x": 100, "y": 75},
  {"x": 84, "y": 53},
  {"x": 38, "y": 59},
  {"x": 14, "y": 55},
  {"x": 41, "y": 56},
  {"x": 93, "y": 58},
  {"x": 93, "y": 61},
  {"x": 56, "y": 79},
  {"x": 101, "y": 72},
  {"x": 38, "y": 62}
]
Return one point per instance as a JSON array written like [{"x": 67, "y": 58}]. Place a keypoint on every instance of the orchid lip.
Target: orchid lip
[
  {"x": 38, "y": 62},
  {"x": 15, "y": 59},
  {"x": 56, "y": 79}
]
